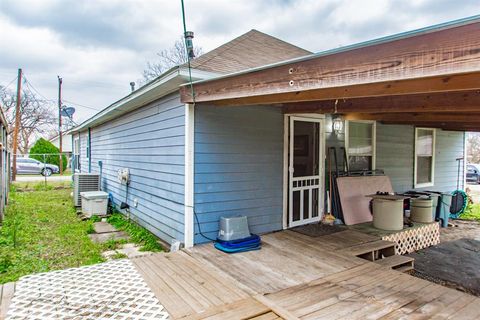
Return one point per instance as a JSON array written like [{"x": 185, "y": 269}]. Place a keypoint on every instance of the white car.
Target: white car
[{"x": 32, "y": 166}]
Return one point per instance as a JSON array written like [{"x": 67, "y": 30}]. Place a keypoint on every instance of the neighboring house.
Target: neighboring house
[
  {"x": 67, "y": 144},
  {"x": 254, "y": 142},
  {"x": 4, "y": 164}
]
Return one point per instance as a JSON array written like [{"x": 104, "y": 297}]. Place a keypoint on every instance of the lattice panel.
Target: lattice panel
[
  {"x": 414, "y": 239},
  {"x": 111, "y": 290}
]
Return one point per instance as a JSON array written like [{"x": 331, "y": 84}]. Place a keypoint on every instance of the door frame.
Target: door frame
[{"x": 286, "y": 147}]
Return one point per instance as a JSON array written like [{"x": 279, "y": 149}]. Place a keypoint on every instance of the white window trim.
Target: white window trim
[
  {"x": 374, "y": 139},
  {"x": 76, "y": 152},
  {"x": 427, "y": 184}
]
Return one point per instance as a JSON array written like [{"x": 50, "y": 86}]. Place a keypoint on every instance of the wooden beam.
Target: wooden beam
[
  {"x": 451, "y": 126},
  {"x": 463, "y": 101},
  {"x": 417, "y": 117},
  {"x": 385, "y": 68}
]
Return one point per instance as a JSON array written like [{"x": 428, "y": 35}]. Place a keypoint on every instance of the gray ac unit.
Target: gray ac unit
[{"x": 83, "y": 182}]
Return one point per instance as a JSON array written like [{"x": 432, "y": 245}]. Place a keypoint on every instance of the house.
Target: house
[
  {"x": 253, "y": 140},
  {"x": 67, "y": 143},
  {"x": 146, "y": 131}
]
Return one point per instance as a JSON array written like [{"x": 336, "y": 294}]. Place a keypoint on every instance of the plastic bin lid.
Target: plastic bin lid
[{"x": 94, "y": 195}]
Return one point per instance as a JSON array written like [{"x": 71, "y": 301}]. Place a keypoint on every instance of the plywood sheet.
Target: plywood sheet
[{"x": 353, "y": 192}]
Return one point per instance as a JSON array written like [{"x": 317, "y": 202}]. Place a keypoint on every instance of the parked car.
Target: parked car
[
  {"x": 473, "y": 173},
  {"x": 32, "y": 166}
]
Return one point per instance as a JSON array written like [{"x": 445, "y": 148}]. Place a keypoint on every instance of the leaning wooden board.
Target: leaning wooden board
[{"x": 353, "y": 191}]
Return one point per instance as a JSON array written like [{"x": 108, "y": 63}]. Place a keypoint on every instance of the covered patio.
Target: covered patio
[
  {"x": 427, "y": 77},
  {"x": 419, "y": 92}
]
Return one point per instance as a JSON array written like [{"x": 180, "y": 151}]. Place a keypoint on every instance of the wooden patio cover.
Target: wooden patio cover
[{"x": 428, "y": 77}]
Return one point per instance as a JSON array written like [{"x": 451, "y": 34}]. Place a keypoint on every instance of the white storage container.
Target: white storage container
[
  {"x": 421, "y": 210},
  {"x": 388, "y": 214},
  {"x": 94, "y": 203}
]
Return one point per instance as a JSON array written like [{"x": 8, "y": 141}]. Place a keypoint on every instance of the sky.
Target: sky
[{"x": 99, "y": 46}]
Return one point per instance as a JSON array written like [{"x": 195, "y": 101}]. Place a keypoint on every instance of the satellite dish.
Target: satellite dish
[{"x": 68, "y": 111}]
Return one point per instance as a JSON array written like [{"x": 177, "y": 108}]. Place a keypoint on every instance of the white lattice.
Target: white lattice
[
  {"x": 414, "y": 239},
  {"x": 111, "y": 290}
]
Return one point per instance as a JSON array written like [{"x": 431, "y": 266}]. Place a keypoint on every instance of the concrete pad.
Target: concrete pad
[
  {"x": 104, "y": 237},
  {"x": 103, "y": 227}
]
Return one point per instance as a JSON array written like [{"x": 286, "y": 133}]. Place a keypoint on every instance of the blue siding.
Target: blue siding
[
  {"x": 238, "y": 167},
  {"x": 150, "y": 141}
]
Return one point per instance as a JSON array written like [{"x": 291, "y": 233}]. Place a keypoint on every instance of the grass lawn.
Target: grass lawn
[
  {"x": 472, "y": 212},
  {"x": 41, "y": 232}
]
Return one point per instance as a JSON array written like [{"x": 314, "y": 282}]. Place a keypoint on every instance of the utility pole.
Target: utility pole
[
  {"x": 17, "y": 124},
  {"x": 60, "y": 122}
]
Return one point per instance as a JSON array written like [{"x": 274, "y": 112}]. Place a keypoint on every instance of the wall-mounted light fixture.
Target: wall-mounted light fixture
[{"x": 337, "y": 124}]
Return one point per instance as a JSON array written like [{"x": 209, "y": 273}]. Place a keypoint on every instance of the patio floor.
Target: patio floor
[{"x": 295, "y": 276}]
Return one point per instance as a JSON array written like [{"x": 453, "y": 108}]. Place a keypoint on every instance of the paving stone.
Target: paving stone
[
  {"x": 103, "y": 227},
  {"x": 104, "y": 237}
]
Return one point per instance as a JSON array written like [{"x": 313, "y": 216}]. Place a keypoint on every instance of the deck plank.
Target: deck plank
[{"x": 295, "y": 276}]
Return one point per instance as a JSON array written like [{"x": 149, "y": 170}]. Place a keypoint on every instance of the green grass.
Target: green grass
[
  {"x": 138, "y": 235},
  {"x": 472, "y": 212},
  {"x": 41, "y": 232}
]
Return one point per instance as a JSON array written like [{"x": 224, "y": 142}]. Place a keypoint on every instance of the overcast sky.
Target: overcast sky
[{"x": 99, "y": 46}]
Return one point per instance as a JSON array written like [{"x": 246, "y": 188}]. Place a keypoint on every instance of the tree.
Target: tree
[
  {"x": 169, "y": 58},
  {"x": 473, "y": 147},
  {"x": 42, "y": 147},
  {"x": 36, "y": 117}
]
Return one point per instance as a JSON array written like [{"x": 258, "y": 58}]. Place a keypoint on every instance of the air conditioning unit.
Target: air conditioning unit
[{"x": 83, "y": 182}]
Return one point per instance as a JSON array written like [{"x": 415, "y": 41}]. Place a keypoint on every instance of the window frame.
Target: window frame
[
  {"x": 415, "y": 166},
  {"x": 76, "y": 153},
  {"x": 374, "y": 139}
]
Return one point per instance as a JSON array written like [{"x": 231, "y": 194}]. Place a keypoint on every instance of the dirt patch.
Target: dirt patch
[
  {"x": 453, "y": 263},
  {"x": 318, "y": 229},
  {"x": 461, "y": 229}
]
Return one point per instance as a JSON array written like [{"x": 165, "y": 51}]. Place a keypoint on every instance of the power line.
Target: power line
[
  {"x": 81, "y": 105},
  {"x": 53, "y": 101},
  {"x": 4, "y": 88}
]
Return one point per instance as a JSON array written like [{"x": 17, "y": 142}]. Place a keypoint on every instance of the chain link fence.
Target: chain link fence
[{"x": 36, "y": 169}]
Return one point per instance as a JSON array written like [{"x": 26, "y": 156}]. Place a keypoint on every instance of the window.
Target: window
[
  {"x": 360, "y": 144},
  {"x": 76, "y": 153},
  {"x": 424, "y": 157}
]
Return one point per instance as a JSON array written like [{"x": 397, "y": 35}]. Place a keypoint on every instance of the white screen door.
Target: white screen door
[{"x": 305, "y": 178}]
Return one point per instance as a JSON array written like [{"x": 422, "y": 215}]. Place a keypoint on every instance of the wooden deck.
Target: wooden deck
[{"x": 295, "y": 276}]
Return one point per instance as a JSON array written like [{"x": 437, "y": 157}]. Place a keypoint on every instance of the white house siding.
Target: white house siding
[
  {"x": 238, "y": 167},
  {"x": 150, "y": 142}
]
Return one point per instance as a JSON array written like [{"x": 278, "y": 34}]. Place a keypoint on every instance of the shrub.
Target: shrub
[{"x": 43, "y": 146}]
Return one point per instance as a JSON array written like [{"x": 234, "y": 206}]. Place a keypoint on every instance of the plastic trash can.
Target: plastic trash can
[
  {"x": 94, "y": 203},
  {"x": 421, "y": 210},
  {"x": 443, "y": 212},
  {"x": 388, "y": 214}
]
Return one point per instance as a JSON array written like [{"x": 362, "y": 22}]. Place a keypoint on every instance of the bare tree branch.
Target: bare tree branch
[
  {"x": 37, "y": 117},
  {"x": 168, "y": 58}
]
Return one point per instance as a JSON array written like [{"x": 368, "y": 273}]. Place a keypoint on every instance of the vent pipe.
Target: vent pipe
[
  {"x": 132, "y": 86},
  {"x": 189, "y": 44}
]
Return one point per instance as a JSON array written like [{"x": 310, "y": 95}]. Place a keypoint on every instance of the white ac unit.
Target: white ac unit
[{"x": 83, "y": 182}]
